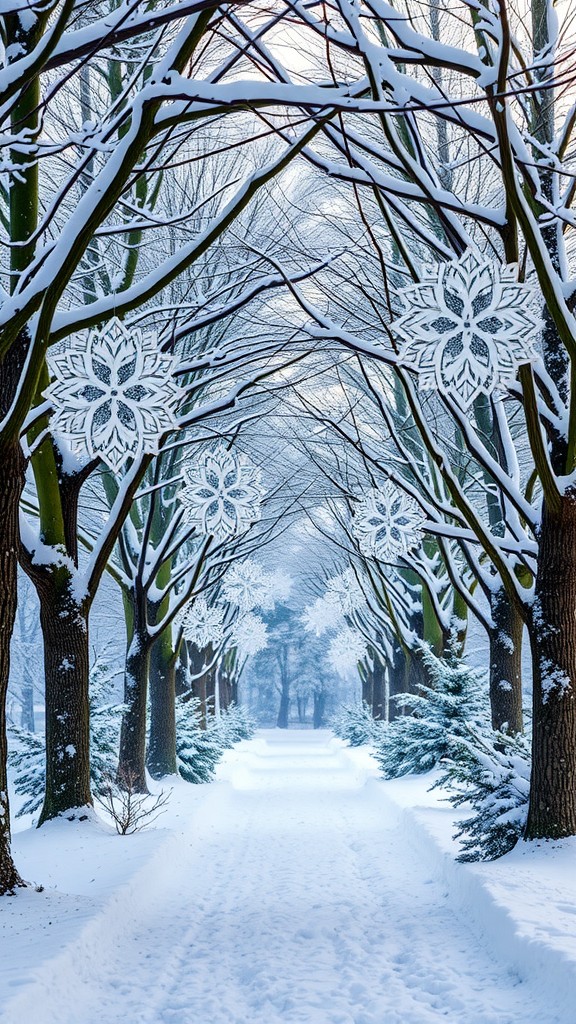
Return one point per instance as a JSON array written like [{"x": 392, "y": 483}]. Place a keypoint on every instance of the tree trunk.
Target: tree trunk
[
  {"x": 27, "y": 720},
  {"x": 300, "y": 708},
  {"x": 162, "y": 740},
  {"x": 319, "y": 709},
  {"x": 398, "y": 680},
  {"x": 132, "y": 759},
  {"x": 367, "y": 685},
  {"x": 66, "y": 672},
  {"x": 552, "y": 807},
  {"x": 284, "y": 709},
  {"x": 506, "y": 664},
  {"x": 225, "y": 690},
  {"x": 210, "y": 692},
  {"x": 378, "y": 691},
  {"x": 11, "y": 486}
]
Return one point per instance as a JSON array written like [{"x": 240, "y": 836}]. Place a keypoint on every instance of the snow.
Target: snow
[{"x": 297, "y": 888}]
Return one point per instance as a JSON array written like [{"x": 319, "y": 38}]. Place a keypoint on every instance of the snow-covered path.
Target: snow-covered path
[{"x": 302, "y": 901}]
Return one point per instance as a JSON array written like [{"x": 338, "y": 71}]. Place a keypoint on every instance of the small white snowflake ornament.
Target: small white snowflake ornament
[
  {"x": 203, "y": 624},
  {"x": 248, "y": 586},
  {"x": 322, "y": 616},
  {"x": 345, "y": 651},
  {"x": 250, "y": 635},
  {"x": 222, "y": 495},
  {"x": 467, "y": 326},
  {"x": 388, "y": 523},
  {"x": 345, "y": 592},
  {"x": 114, "y": 394}
]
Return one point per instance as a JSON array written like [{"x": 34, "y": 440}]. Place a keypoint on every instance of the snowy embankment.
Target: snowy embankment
[
  {"x": 524, "y": 903},
  {"x": 298, "y": 888}
]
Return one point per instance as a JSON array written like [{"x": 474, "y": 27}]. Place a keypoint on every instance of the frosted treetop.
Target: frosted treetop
[
  {"x": 467, "y": 326},
  {"x": 114, "y": 394}
]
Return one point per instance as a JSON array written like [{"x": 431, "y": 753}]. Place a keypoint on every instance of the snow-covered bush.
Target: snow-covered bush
[
  {"x": 235, "y": 724},
  {"x": 28, "y": 749},
  {"x": 491, "y": 772},
  {"x": 198, "y": 750},
  {"x": 355, "y": 724},
  {"x": 423, "y": 735}
]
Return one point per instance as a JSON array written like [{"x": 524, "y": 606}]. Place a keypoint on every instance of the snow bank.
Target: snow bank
[{"x": 524, "y": 904}]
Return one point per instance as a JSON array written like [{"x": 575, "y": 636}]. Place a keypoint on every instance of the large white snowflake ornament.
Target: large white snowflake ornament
[
  {"x": 345, "y": 592},
  {"x": 345, "y": 651},
  {"x": 388, "y": 523},
  {"x": 467, "y": 326},
  {"x": 203, "y": 624},
  {"x": 248, "y": 586},
  {"x": 222, "y": 495},
  {"x": 113, "y": 394},
  {"x": 250, "y": 635}
]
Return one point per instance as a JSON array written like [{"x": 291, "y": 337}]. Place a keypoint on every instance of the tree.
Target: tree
[{"x": 505, "y": 200}]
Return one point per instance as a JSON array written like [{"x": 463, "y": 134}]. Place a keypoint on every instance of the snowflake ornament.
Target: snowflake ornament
[
  {"x": 467, "y": 327},
  {"x": 114, "y": 394},
  {"x": 345, "y": 651},
  {"x": 203, "y": 624},
  {"x": 388, "y": 523},
  {"x": 250, "y": 635},
  {"x": 345, "y": 592},
  {"x": 321, "y": 617},
  {"x": 222, "y": 495},
  {"x": 248, "y": 586}
]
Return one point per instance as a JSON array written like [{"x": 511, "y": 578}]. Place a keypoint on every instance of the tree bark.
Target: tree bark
[
  {"x": 284, "y": 709},
  {"x": 378, "y": 691},
  {"x": 132, "y": 758},
  {"x": 552, "y": 807},
  {"x": 367, "y": 685},
  {"x": 11, "y": 486},
  {"x": 319, "y": 709},
  {"x": 398, "y": 680},
  {"x": 162, "y": 740},
  {"x": 506, "y": 664},
  {"x": 66, "y": 672}
]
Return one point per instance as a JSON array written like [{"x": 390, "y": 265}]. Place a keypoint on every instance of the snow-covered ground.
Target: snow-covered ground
[{"x": 297, "y": 888}]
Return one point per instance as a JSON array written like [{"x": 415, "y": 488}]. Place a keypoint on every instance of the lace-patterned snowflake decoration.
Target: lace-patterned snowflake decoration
[
  {"x": 203, "y": 624},
  {"x": 345, "y": 651},
  {"x": 246, "y": 585},
  {"x": 321, "y": 617},
  {"x": 249, "y": 635},
  {"x": 467, "y": 327},
  {"x": 345, "y": 592},
  {"x": 222, "y": 495},
  {"x": 113, "y": 395},
  {"x": 388, "y": 523}
]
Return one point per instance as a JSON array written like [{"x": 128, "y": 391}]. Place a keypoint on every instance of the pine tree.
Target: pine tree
[
  {"x": 419, "y": 739},
  {"x": 355, "y": 724},
  {"x": 199, "y": 750},
  {"x": 28, "y": 749},
  {"x": 491, "y": 772}
]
